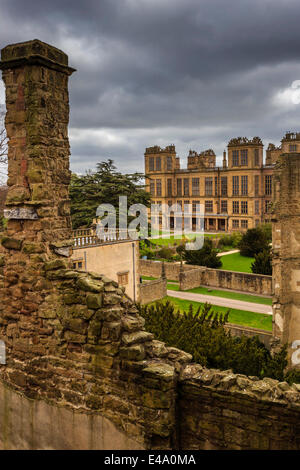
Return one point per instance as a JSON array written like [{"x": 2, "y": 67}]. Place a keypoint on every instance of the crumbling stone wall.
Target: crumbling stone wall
[
  {"x": 213, "y": 413},
  {"x": 74, "y": 341}
]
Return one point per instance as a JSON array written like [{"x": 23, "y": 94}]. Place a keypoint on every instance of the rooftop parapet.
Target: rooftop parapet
[
  {"x": 157, "y": 149},
  {"x": 237, "y": 141},
  {"x": 290, "y": 136}
]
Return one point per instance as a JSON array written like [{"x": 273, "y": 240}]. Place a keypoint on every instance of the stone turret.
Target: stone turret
[
  {"x": 286, "y": 254},
  {"x": 224, "y": 160}
]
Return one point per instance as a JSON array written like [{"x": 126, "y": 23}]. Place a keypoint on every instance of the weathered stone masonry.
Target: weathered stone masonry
[
  {"x": 286, "y": 254},
  {"x": 81, "y": 370},
  {"x": 72, "y": 338}
]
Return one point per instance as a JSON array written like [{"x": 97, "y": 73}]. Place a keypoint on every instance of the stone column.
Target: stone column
[
  {"x": 36, "y": 80},
  {"x": 37, "y": 205},
  {"x": 286, "y": 254}
]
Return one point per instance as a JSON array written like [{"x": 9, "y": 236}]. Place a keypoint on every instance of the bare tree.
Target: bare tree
[
  {"x": 3, "y": 145},
  {"x": 3, "y": 149}
]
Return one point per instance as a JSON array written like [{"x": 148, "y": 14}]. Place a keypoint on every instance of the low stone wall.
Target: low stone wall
[
  {"x": 189, "y": 279},
  {"x": 221, "y": 410},
  {"x": 154, "y": 268},
  {"x": 247, "y": 282},
  {"x": 239, "y": 330},
  {"x": 152, "y": 290},
  {"x": 195, "y": 276}
]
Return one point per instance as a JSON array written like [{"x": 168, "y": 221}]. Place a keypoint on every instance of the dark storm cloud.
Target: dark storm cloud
[{"x": 191, "y": 72}]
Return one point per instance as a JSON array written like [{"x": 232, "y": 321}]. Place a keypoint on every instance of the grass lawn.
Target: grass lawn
[
  {"x": 171, "y": 240},
  {"x": 238, "y": 317},
  {"x": 225, "y": 294},
  {"x": 236, "y": 262}
]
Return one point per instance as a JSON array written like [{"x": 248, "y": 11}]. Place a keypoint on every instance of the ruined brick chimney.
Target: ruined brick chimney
[{"x": 37, "y": 204}]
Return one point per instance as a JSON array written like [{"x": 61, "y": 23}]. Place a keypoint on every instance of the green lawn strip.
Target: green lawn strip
[
  {"x": 226, "y": 294},
  {"x": 236, "y": 262},
  {"x": 150, "y": 278},
  {"x": 238, "y": 317},
  {"x": 171, "y": 240}
]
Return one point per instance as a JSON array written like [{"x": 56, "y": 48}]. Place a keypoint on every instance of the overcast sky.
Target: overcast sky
[{"x": 153, "y": 72}]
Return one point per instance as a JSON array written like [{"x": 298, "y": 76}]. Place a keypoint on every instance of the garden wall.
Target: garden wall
[
  {"x": 152, "y": 290},
  {"x": 194, "y": 276},
  {"x": 240, "y": 330}
]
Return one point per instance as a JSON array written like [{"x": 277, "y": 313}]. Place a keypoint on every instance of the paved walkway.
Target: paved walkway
[
  {"x": 222, "y": 302},
  {"x": 228, "y": 252}
]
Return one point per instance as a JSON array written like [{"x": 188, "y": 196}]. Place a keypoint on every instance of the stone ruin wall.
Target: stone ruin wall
[
  {"x": 150, "y": 291},
  {"x": 77, "y": 351},
  {"x": 194, "y": 276}
]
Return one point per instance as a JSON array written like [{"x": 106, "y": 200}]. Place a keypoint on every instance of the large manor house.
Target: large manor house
[{"x": 235, "y": 196}]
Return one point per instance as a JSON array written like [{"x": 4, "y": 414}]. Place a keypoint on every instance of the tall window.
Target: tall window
[
  {"x": 158, "y": 187},
  {"x": 256, "y": 185},
  {"x": 256, "y": 157},
  {"x": 235, "y": 158},
  {"x": 208, "y": 186},
  {"x": 151, "y": 163},
  {"x": 235, "y": 186},
  {"x": 235, "y": 207},
  {"x": 194, "y": 206},
  {"x": 195, "y": 187},
  {"x": 244, "y": 223},
  {"x": 224, "y": 207},
  {"x": 224, "y": 186},
  {"x": 169, "y": 187},
  {"x": 152, "y": 188},
  {"x": 268, "y": 185},
  {"x": 244, "y": 157},
  {"x": 186, "y": 187},
  {"x": 235, "y": 223},
  {"x": 293, "y": 148},
  {"x": 244, "y": 185},
  {"x": 267, "y": 206},
  {"x": 208, "y": 206},
  {"x": 179, "y": 187},
  {"x": 256, "y": 207},
  {"x": 158, "y": 164},
  {"x": 216, "y": 185},
  {"x": 169, "y": 163},
  {"x": 244, "y": 207}
]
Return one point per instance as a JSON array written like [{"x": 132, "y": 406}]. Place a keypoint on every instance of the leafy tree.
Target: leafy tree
[
  {"x": 267, "y": 229},
  {"x": 145, "y": 249},
  {"x": 105, "y": 185},
  {"x": 202, "y": 333},
  {"x": 165, "y": 253},
  {"x": 206, "y": 256},
  {"x": 262, "y": 263},
  {"x": 253, "y": 241}
]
